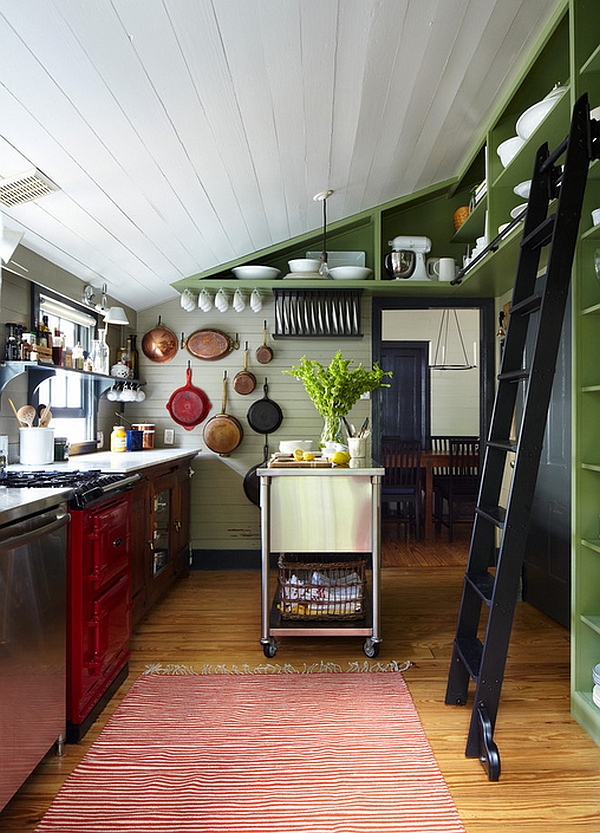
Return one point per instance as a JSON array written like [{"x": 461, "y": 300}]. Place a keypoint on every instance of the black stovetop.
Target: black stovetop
[{"x": 88, "y": 486}]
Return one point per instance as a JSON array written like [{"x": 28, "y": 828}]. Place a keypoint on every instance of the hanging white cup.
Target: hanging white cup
[
  {"x": 255, "y": 301},
  {"x": 221, "y": 301},
  {"x": 205, "y": 301},
  {"x": 239, "y": 304},
  {"x": 188, "y": 300}
]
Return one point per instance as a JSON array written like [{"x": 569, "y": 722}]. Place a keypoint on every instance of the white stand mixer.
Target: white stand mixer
[{"x": 406, "y": 261}]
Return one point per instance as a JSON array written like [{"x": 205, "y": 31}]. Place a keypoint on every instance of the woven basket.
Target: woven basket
[
  {"x": 460, "y": 215},
  {"x": 310, "y": 590}
]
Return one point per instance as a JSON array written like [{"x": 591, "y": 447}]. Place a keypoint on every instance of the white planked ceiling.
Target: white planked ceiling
[{"x": 186, "y": 133}]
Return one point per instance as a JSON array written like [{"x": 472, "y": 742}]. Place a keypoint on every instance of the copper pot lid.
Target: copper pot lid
[{"x": 160, "y": 344}]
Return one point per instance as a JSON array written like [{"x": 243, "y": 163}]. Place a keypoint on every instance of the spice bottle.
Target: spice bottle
[{"x": 118, "y": 439}]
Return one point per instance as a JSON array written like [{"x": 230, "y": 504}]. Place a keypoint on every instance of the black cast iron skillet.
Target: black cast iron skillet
[
  {"x": 252, "y": 480},
  {"x": 264, "y": 416}
]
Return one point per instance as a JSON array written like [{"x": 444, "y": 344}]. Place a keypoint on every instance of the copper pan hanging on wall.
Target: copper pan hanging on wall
[
  {"x": 210, "y": 345},
  {"x": 159, "y": 344},
  {"x": 223, "y": 433}
]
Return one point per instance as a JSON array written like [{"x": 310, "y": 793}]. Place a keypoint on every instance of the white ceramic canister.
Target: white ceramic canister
[{"x": 36, "y": 446}]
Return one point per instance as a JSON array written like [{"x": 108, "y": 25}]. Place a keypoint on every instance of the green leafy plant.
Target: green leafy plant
[{"x": 333, "y": 390}]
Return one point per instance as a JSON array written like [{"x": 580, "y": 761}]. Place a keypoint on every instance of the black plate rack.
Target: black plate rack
[{"x": 317, "y": 313}]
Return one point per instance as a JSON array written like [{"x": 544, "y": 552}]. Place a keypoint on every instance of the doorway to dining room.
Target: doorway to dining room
[{"x": 426, "y": 401}]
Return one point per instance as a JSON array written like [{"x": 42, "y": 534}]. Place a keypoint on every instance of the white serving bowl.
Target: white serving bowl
[
  {"x": 518, "y": 210},
  {"x": 304, "y": 264},
  {"x": 350, "y": 273},
  {"x": 509, "y": 149},
  {"x": 289, "y": 446},
  {"x": 256, "y": 273},
  {"x": 535, "y": 115},
  {"x": 523, "y": 189}
]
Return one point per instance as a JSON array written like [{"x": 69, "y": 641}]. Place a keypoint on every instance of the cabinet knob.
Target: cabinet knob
[{"x": 177, "y": 524}]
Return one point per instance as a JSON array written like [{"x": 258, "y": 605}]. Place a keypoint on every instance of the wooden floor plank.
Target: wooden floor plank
[{"x": 550, "y": 777}]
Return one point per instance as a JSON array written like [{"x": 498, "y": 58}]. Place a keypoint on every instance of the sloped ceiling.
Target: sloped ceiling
[{"x": 187, "y": 133}]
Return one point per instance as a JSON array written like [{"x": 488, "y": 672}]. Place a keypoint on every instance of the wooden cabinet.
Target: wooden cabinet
[{"x": 161, "y": 533}]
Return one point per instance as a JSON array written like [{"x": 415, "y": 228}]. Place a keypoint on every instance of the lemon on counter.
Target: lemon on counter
[
  {"x": 298, "y": 454},
  {"x": 340, "y": 458},
  {"x": 309, "y": 456}
]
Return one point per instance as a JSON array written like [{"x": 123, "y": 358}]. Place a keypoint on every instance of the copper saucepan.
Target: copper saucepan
[
  {"x": 244, "y": 382},
  {"x": 223, "y": 433},
  {"x": 264, "y": 354}
]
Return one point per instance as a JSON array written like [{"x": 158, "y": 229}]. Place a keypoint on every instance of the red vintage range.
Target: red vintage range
[
  {"x": 99, "y": 611},
  {"x": 98, "y": 586}
]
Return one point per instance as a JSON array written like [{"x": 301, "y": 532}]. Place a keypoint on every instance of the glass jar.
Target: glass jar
[{"x": 118, "y": 439}]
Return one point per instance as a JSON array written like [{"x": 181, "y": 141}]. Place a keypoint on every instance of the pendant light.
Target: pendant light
[
  {"x": 450, "y": 345},
  {"x": 322, "y": 197}
]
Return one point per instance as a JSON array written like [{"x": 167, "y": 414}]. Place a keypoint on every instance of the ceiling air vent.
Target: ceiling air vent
[{"x": 25, "y": 187}]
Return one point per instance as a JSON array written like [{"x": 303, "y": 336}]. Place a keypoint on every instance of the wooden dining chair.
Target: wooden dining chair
[
  {"x": 458, "y": 490},
  {"x": 401, "y": 488}
]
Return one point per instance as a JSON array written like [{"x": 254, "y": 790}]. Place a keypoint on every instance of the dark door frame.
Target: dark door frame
[{"x": 487, "y": 364}]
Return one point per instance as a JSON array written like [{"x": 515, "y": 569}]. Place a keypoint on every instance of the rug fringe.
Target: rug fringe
[{"x": 176, "y": 669}]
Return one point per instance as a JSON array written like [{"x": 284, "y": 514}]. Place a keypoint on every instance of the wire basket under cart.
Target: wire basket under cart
[{"x": 321, "y": 590}]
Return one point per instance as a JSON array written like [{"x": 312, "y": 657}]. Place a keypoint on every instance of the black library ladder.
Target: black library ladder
[{"x": 528, "y": 362}]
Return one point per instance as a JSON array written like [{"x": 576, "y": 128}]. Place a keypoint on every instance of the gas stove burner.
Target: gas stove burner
[{"x": 88, "y": 486}]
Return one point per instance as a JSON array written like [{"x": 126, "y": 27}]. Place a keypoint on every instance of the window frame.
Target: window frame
[{"x": 88, "y": 392}]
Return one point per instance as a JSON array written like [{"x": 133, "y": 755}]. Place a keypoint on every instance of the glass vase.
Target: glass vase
[{"x": 333, "y": 431}]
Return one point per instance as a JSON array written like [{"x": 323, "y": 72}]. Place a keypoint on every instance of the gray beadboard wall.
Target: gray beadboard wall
[{"x": 222, "y": 516}]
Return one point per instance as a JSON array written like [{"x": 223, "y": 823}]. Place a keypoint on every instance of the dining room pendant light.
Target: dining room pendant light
[
  {"x": 322, "y": 196},
  {"x": 450, "y": 352}
]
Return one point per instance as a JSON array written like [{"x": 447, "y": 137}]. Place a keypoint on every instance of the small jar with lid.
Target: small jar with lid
[{"x": 118, "y": 439}]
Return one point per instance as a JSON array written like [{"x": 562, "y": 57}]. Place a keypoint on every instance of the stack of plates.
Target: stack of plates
[
  {"x": 303, "y": 276},
  {"x": 596, "y": 691}
]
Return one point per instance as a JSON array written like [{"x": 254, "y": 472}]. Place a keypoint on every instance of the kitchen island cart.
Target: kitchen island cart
[{"x": 326, "y": 522}]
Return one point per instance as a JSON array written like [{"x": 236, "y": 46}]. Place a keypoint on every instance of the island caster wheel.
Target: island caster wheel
[
  {"x": 371, "y": 648},
  {"x": 270, "y": 649}
]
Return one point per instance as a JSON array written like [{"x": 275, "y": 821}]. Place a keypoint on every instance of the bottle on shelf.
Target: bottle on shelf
[
  {"x": 103, "y": 354},
  {"x": 57, "y": 348},
  {"x": 134, "y": 356},
  {"x": 78, "y": 357}
]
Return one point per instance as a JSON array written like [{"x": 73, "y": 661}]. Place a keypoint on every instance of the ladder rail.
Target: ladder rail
[{"x": 484, "y": 660}]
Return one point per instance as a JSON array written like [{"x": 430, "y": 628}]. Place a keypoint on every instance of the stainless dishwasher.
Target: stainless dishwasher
[{"x": 32, "y": 636}]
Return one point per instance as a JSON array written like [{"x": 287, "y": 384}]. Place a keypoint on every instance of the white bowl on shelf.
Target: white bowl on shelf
[
  {"x": 531, "y": 119},
  {"x": 256, "y": 272},
  {"x": 518, "y": 210},
  {"x": 351, "y": 273},
  {"x": 523, "y": 189},
  {"x": 304, "y": 264},
  {"x": 509, "y": 149}
]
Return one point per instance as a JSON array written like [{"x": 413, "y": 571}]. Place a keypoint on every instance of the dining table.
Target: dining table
[{"x": 431, "y": 460}]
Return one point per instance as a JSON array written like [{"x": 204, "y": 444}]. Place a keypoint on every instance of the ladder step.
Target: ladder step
[
  {"x": 541, "y": 235},
  {"x": 514, "y": 375},
  {"x": 503, "y": 445},
  {"x": 470, "y": 650},
  {"x": 495, "y": 514},
  {"x": 482, "y": 584},
  {"x": 527, "y": 305}
]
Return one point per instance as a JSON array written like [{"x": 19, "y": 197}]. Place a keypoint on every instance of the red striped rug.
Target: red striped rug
[{"x": 333, "y": 753}]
